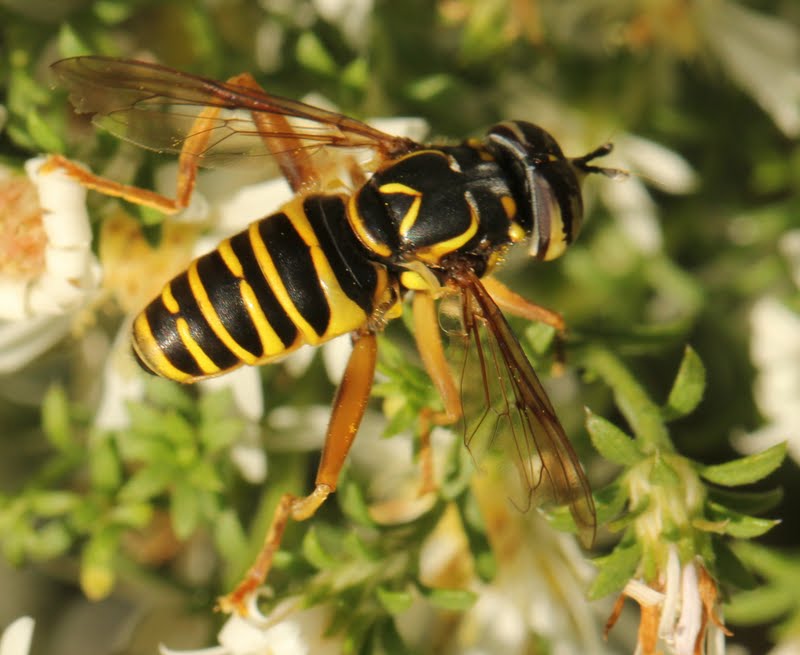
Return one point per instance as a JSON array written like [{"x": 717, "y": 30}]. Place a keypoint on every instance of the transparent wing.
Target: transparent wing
[
  {"x": 517, "y": 417},
  {"x": 159, "y": 108}
]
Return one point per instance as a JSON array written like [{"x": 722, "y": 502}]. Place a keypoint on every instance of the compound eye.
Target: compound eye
[{"x": 556, "y": 218}]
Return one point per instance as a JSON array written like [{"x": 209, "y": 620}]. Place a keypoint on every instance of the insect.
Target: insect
[{"x": 428, "y": 221}]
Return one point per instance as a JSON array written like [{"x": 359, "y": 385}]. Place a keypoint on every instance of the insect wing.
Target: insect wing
[
  {"x": 162, "y": 109},
  {"x": 517, "y": 417}
]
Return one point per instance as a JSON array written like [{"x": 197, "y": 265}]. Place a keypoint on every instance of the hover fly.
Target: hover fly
[{"x": 427, "y": 221}]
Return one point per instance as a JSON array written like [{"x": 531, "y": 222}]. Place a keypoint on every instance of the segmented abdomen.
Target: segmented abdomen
[{"x": 297, "y": 276}]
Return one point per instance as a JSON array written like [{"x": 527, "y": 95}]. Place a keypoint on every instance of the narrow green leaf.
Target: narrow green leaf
[
  {"x": 104, "y": 464},
  {"x": 132, "y": 515},
  {"x": 616, "y": 569},
  {"x": 392, "y": 601},
  {"x": 457, "y": 600},
  {"x": 730, "y": 568},
  {"x": 740, "y": 525},
  {"x": 312, "y": 54},
  {"x": 611, "y": 442},
  {"x": 760, "y": 606},
  {"x": 229, "y": 536},
  {"x": 353, "y": 504},
  {"x": 48, "y": 504},
  {"x": 55, "y": 418},
  {"x": 687, "y": 390},
  {"x": 184, "y": 510},
  {"x": 747, "y": 469},
  {"x": 317, "y": 554},
  {"x": 52, "y": 540},
  {"x": 42, "y": 133},
  {"x": 70, "y": 43},
  {"x": 147, "y": 482},
  {"x": 747, "y": 502}
]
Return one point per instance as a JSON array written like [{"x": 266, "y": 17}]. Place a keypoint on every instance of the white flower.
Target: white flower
[
  {"x": 48, "y": 272},
  {"x": 287, "y": 630},
  {"x": 629, "y": 200},
  {"x": 760, "y": 53},
  {"x": 682, "y": 615},
  {"x": 16, "y": 638},
  {"x": 775, "y": 352},
  {"x": 350, "y": 16}
]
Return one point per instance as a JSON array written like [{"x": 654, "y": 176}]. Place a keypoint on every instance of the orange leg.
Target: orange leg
[
  {"x": 348, "y": 410},
  {"x": 429, "y": 344},
  {"x": 276, "y": 133},
  {"x": 514, "y": 304}
]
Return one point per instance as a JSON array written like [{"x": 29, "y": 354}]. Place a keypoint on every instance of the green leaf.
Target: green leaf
[
  {"x": 50, "y": 541},
  {"x": 457, "y": 600},
  {"x": 147, "y": 482},
  {"x": 184, "y": 510},
  {"x": 316, "y": 550},
  {"x": 394, "y": 602},
  {"x": 132, "y": 515},
  {"x": 730, "y": 568},
  {"x": 616, "y": 569},
  {"x": 760, "y": 606},
  {"x": 70, "y": 43},
  {"x": 42, "y": 133},
  {"x": 53, "y": 503},
  {"x": 354, "y": 505},
  {"x": 229, "y": 536},
  {"x": 610, "y": 501},
  {"x": 747, "y": 469},
  {"x": 747, "y": 502},
  {"x": 97, "y": 565},
  {"x": 55, "y": 418},
  {"x": 740, "y": 525},
  {"x": 687, "y": 390},
  {"x": 104, "y": 464},
  {"x": 611, "y": 442},
  {"x": 312, "y": 54}
]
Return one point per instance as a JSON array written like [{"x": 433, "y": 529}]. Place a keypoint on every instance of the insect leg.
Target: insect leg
[
  {"x": 348, "y": 410},
  {"x": 429, "y": 343},
  {"x": 276, "y": 132},
  {"x": 514, "y": 304},
  {"x": 192, "y": 150}
]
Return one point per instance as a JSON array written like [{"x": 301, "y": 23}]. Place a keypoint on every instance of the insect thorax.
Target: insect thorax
[{"x": 436, "y": 205}]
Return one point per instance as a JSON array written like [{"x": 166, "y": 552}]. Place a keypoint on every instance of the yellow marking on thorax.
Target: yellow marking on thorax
[
  {"x": 516, "y": 233},
  {"x": 413, "y": 211},
  {"x": 151, "y": 354},
  {"x": 509, "y": 206},
  {"x": 357, "y": 224},
  {"x": 434, "y": 253},
  {"x": 210, "y": 314}
]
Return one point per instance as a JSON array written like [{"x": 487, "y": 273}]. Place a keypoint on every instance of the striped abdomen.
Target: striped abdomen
[{"x": 296, "y": 277}]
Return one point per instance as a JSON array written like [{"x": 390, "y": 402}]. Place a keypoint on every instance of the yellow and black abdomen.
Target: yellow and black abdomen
[{"x": 296, "y": 277}]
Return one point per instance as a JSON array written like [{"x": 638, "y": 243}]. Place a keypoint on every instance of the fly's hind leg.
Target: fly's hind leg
[
  {"x": 285, "y": 148},
  {"x": 348, "y": 410}
]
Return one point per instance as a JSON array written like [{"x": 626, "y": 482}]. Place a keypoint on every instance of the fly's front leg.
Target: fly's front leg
[
  {"x": 515, "y": 305},
  {"x": 429, "y": 343},
  {"x": 348, "y": 410}
]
